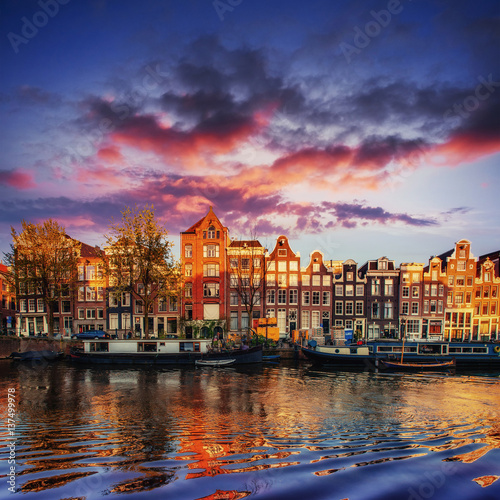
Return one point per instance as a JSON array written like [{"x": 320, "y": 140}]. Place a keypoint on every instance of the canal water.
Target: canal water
[{"x": 272, "y": 431}]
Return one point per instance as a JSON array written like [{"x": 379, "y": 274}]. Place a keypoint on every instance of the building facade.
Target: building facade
[{"x": 7, "y": 303}]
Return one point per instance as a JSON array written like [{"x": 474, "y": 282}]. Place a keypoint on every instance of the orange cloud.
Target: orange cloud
[{"x": 110, "y": 155}]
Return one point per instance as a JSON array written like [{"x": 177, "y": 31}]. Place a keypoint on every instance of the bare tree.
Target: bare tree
[
  {"x": 43, "y": 260},
  {"x": 139, "y": 260},
  {"x": 247, "y": 275}
]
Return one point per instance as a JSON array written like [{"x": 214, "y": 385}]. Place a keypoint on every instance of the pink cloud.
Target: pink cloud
[{"x": 19, "y": 179}]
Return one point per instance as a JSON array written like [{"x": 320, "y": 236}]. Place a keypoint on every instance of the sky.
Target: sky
[{"x": 359, "y": 128}]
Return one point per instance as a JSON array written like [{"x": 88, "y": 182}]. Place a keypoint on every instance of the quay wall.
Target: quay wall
[{"x": 9, "y": 345}]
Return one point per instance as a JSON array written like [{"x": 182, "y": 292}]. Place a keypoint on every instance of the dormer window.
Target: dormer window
[{"x": 211, "y": 233}]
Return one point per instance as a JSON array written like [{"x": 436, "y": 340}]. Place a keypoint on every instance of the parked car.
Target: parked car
[{"x": 91, "y": 334}]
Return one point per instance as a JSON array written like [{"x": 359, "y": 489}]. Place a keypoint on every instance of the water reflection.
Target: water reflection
[{"x": 275, "y": 431}]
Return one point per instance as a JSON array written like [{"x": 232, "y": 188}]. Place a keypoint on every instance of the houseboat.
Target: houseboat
[
  {"x": 159, "y": 352},
  {"x": 467, "y": 355}
]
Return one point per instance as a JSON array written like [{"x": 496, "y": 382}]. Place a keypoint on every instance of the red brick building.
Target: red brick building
[
  {"x": 282, "y": 286},
  {"x": 204, "y": 267},
  {"x": 486, "y": 302},
  {"x": 7, "y": 303}
]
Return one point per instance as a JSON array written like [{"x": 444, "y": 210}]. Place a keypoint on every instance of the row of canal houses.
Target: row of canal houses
[{"x": 230, "y": 284}]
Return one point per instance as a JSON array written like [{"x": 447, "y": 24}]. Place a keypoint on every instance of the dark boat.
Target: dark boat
[
  {"x": 418, "y": 366},
  {"x": 46, "y": 355},
  {"x": 271, "y": 357}
]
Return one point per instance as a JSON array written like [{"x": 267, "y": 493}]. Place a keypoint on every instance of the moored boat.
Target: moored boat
[
  {"x": 467, "y": 355},
  {"x": 214, "y": 362},
  {"x": 434, "y": 365},
  {"x": 158, "y": 352},
  {"x": 43, "y": 355}
]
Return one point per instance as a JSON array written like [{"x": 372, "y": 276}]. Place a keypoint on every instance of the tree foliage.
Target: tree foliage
[
  {"x": 138, "y": 260},
  {"x": 43, "y": 260}
]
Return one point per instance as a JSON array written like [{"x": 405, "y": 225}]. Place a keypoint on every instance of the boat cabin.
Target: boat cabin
[{"x": 161, "y": 346}]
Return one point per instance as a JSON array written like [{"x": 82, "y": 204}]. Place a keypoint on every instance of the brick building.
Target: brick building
[
  {"x": 349, "y": 299},
  {"x": 7, "y": 303},
  {"x": 204, "y": 267}
]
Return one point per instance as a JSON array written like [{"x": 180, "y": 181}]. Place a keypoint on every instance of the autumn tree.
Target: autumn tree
[
  {"x": 138, "y": 260},
  {"x": 43, "y": 260}
]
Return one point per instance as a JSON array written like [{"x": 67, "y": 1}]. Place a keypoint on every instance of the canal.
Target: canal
[{"x": 272, "y": 431}]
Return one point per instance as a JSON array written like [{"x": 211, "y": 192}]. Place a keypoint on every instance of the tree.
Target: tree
[
  {"x": 43, "y": 260},
  {"x": 247, "y": 274},
  {"x": 139, "y": 260}
]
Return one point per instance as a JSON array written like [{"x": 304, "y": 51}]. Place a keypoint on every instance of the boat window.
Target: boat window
[
  {"x": 354, "y": 350},
  {"x": 146, "y": 347},
  {"x": 99, "y": 347},
  {"x": 385, "y": 348},
  {"x": 467, "y": 349},
  {"x": 454, "y": 350},
  {"x": 189, "y": 346},
  {"x": 482, "y": 350}
]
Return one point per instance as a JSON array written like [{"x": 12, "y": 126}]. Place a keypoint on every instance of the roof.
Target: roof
[
  {"x": 196, "y": 225},
  {"x": 245, "y": 243},
  {"x": 89, "y": 251}
]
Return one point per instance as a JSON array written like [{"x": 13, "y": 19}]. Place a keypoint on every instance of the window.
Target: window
[
  {"x": 416, "y": 277},
  {"x": 281, "y": 252},
  {"x": 349, "y": 290},
  {"x": 433, "y": 290},
  {"x": 440, "y": 306},
  {"x": 316, "y": 280},
  {"x": 441, "y": 290},
  {"x": 256, "y": 299},
  {"x": 388, "y": 310},
  {"x": 360, "y": 290},
  {"x": 173, "y": 302},
  {"x": 426, "y": 306},
  {"x": 188, "y": 291},
  {"x": 271, "y": 280},
  {"x": 281, "y": 279},
  {"x": 459, "y": 298},
  {"x": 426, "y": 290},
  {"x": 382, "y": 264},
  {"x": 349, "y": 307},
  {"x": 211, "y": 290},
  {"x": 233, "y": 280},
  {"x": 405, "y": 308},
  {"x": 433, "y": 307},
  {"x": 451, "y": 280},
  {"x": 406, "y": 277},
  {"x": 414, "y": 291},
  {"x": 211, "y": 233},
  {"x": 326, "y": 298},
  {"x": 91, "y": 272},
  {"x": 22, "y": 305},
  {"x": 211, "y": 270},
  {"x": 40, "y": 305},
  {"x": 211, "y": 251},
  {"x": 315, "y": 268},
  {"x": 188, "y": 251},
  {"x": 188, "y": 270},
  {"x": 162, "y": 305},
  {"x": 100, "y": 293},
  {"x": 305, "y": 319},
  {"x": 306, "y": 298},
  {"x": 375, "y": 310},
  {"x": 293, "y": 265},
  {"x": 32, "y": 305},
  {"x": 306, "y": 280},
  {"x": 81, "y": 293},
  {"x": 338, "y": 308},
  {"x": 487, "y": 277},
  {"x": 81, "y": 275},
  {"x": 413, "y": 326},
  {"x": 271, "y": 266},
  {"x": 376, "y": 287},
  {"x": 81, "y": 313},
  {"x": 126, "y": 299},
  {"x": 100, "y": 313},
  {"x": 315, "y": 299},
  {"x": 359, "y": 308},
  {"x": 293, "y": 280},
  {"x": 294, "y": 296},
  {"x": 271, "y": 296},
  {"x": 244, "y": 321},
  {"x": 65, "y": 291},
  {"x": 139, "y": 307},
  {"x": 233, "y": 299},
  {"x": 315, "y": 319},
  {"x": 461, "y": 265},
  {"x": 339, "y": 290},
  {"x": 389, "y": 287},
  {"x": 349, "y": 276},
  {"x": 460, "y": 281},
  {"x": 414, "y": 307},
  {"x": 90, "y": 295},
  {"x": 469, "y": 281},
  {"x": 281, "y": 296},
  {"x": 245, "y": 264},
  {"x": 90, "y": 313},
  {"x": 282, "y": 265},
  {"x": 233, "y": 325}
]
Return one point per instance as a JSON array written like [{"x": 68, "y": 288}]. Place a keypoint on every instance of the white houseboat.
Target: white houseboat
[{"x": 159, "y": 352}]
